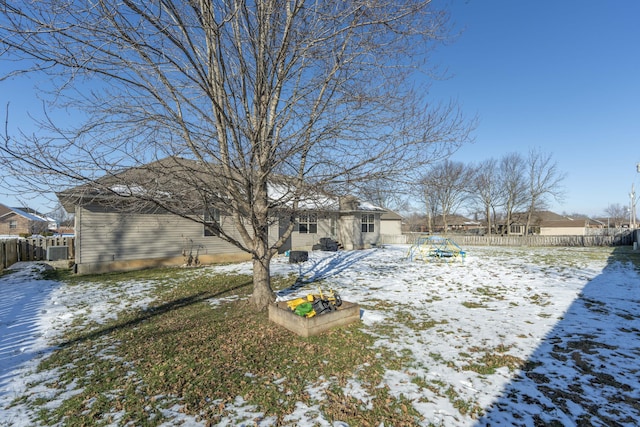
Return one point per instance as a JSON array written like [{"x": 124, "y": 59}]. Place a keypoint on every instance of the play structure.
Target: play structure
[{"x": 430, "y": 248}]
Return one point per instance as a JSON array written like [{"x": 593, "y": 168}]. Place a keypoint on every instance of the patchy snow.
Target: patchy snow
[{"x": 575, "y": 322}]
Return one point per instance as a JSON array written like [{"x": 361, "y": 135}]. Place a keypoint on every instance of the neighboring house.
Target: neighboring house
[
  {"x": 547, "y": 223},
  {"x": 569, "y": 226},
  {"x": 108, "y": 238},
  {"x": 456, "y": 223},
  {"x": 24, "y": 222}
]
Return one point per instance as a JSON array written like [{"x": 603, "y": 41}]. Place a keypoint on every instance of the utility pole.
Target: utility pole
[
  {"x": 633, "y": 202},
  {"x": 632, "y": 210}
]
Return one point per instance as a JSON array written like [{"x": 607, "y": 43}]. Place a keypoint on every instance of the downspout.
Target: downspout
[{"x": 76, "y": 231}]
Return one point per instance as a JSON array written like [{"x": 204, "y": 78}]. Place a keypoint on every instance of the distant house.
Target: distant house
[
  {"x": 109, "y": 237},
  {"x": 569, "y": 226},
  {"x": 455, "y": 223},
  {"x": 547, "y": 223},
  {"x": 24, "y": 222}
]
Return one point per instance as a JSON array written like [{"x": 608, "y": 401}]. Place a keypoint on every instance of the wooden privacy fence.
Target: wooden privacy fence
[
  {"x": 621, "y": 239},
  {"x": 34, "y": 249}
]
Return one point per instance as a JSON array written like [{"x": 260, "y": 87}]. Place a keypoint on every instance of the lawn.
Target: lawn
[{"x": 512, "y": 336}]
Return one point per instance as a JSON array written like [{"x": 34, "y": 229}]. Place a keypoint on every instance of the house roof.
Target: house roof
[
  {"x": 28, "y": 213},
  {"x": 571, "y": 222},
  {"x": 454, "y": 219},
  {"x": 552, "y": 219},
  {"x": 390, "y": 216},
  {"x": 175, "y": 179},
  {"x": 565, "y": 223}
]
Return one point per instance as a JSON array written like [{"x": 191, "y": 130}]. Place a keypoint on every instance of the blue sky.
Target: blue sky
[{"x": 562, "y": 76}]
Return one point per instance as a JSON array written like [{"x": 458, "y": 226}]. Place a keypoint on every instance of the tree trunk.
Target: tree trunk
[
  {"x": 262, "y": 295},
  {"x": 507, "y": 223},
  {"x": 488, "y": 213},
  {"x": 529, "y": 215}
]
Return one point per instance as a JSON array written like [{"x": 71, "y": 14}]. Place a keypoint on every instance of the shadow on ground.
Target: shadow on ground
[
  {"x": 20, "y": 309},
  {"x": 323, "y": 268},
  {"x": 587, "y": 368}
]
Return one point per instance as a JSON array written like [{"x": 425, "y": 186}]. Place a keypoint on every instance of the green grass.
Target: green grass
[{"x": 184, "y": 350}]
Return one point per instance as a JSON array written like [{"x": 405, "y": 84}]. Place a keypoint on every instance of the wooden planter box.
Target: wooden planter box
[{"x": 347, "y": 313}]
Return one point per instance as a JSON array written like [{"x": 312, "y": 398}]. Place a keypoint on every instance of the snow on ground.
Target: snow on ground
[{"x": 572, "y": 315}]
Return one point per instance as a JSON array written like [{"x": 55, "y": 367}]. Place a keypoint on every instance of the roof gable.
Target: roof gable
[{"x": 28, "y": 213}]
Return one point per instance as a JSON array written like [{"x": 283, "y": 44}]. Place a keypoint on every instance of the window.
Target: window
[
  {"x": 212, "y": 222},
  {"x": 308, "y": 223},
  {"x": 368, "y": 223},
  {"x": 13, "y": 224}
]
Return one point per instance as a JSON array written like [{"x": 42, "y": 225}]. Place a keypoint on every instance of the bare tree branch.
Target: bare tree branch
[{"x": 323, "y": 93}]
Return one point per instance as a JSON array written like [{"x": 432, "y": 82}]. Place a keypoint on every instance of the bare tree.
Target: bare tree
[
  {"x": 447, "y": 186},
  {"x": 543, "y": 181},
  {"x": 322, "y": 93},
  {"x": 387, "y": 193},
  {"x": 616, "y": 213},
  {"x": 485, "y": 190},
  {"x": 62, "y": 217},
  {"x": 429, "y": 195},
  {"x": 513, "y": 186}
]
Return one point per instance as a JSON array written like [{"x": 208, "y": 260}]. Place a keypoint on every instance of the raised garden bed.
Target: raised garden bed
[{"x": 346, "y": 314}]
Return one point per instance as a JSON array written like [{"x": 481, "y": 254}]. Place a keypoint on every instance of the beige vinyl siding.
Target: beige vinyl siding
[
  {"x": 351, "y": 235},
  {"x": 562, "y": 231},
  {"x": 305, "y": 241},
  {"x": 104, "y": 237},
  {"x": 391, "y": 227}
]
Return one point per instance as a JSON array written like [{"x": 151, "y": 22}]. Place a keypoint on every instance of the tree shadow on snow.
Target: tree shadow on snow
[
  {"x": 21, "y": 305},
  {"x": 152, "y": 312},
  {"x": 322, "y": 268},
  {"x": 587, "y": 368}
]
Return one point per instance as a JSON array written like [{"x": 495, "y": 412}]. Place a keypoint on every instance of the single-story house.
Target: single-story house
[
  {"x": 24, "y": 221},
  {"x": 547, "y": 223},
  {"x": 568, "y": 227},
  {"x": 111, "y": 238}
]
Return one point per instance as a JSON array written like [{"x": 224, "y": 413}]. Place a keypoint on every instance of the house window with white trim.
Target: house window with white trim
[
  {"x": 211, "y": 222},
  {"x": 308, "y": 223},
  {"x": 368, "y": 223},
  {"x": 13, "y": 224}
]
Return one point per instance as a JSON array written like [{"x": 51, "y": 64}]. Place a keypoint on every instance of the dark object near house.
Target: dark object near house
[
  {"x": 298, "y": 256},
  {"x": 57, "y": 253},
  {"x": 321, "y": 306},
  {"x": 328, "y": 244}
]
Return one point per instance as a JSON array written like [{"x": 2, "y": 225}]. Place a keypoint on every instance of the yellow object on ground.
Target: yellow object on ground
[
  {"x": 320, "y": 302},
  {"x": 295, "y": 302}
]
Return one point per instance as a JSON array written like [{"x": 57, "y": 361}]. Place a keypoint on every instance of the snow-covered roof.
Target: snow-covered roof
[
  {"x": 282, "y": 193},
  {"x": 167, "y": 179},
  {"x": 366, "y": 206},
  {"x": 30, "y": 216}
]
